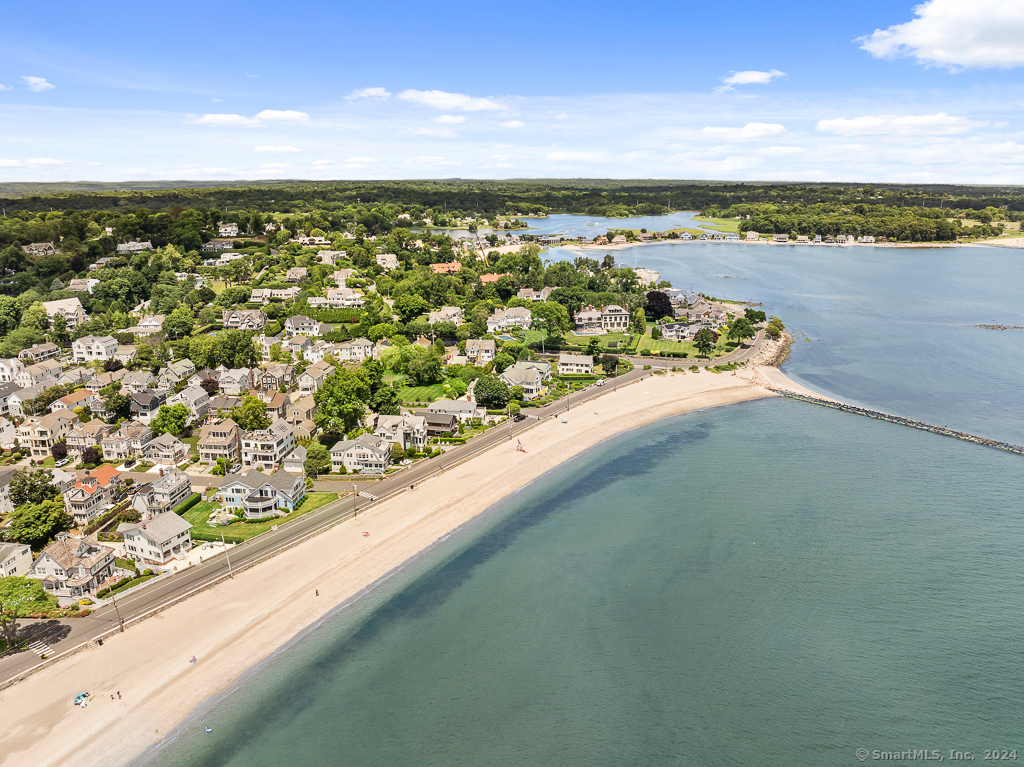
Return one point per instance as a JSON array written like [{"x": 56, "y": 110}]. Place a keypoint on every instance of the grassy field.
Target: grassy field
[
  {"x": 719, "y": 224},
  {"x": 199, "y": 515},
  {"x": 649, "y": 345},
  {"x": 420, "y": 393}
]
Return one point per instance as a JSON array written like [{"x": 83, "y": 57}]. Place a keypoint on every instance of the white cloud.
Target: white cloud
[
  {"x": 37, "y": 84},
  {"x": 276, "y": 165},
  {"x": 749, "y": 132},
  {"x": 440, "y": 132},
  {"x": 780, "y": 151},
  {"x": 216, "y": 101},
  {"x": 450, "y": 119},
  {"x": 361, "y": 159},
  {"x": 513, "y": 124},
  {"x": 748, "y": 77},
  {"x": 276, "y": 149},
  {"x": 373, "y": 94},
  {"x": 317, "y": 163},
  {"x": 282, "y": 115},
  {"x": 6, "y": 87},
  {"x": 43, "y": 162},
  {"x": 10, "y": 163},
  {"x": 955, "y": 34},
  {"x": 430, "y": 161},
  {"x": 267, "y": 115},
  {"x": 450, "y": 101},
  {"x": 251, "y": 76},
  {"x": 939, "y": 124}
]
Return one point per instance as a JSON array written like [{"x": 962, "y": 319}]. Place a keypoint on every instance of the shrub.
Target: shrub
[{"x": 188, "y": 503}]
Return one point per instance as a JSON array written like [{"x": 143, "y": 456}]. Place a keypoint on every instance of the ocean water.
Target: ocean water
[{"x": 765, "y": 583}]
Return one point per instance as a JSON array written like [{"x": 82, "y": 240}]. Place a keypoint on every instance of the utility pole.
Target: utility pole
[
  {"x": 119, "y": 621},
  {"x": 355, "y": 500}
]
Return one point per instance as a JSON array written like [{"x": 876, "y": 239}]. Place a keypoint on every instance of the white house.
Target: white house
[
  {"x": 528, "y": 379},
  {"x": 68, "y": 308},
  {"x": 261, "y": 495},
  {"x": 163, "y": 494},
  {"x": 73, "y": 566},
  {"x": 227, "y": 230},
  {"x": 91, "y": 348},
  {"x": 157, "y": 541},
  {"x": 505, "y": 319},
  {"x": 9, "y": 369},
  {"x": 266, "y": 448},
  {"x": 461, "y": 409},
  {"x": 409, "y": 431},
  {"x": 569, "y": 364},
  {"x": 15, "y": 559},
  {"x": 363, "y": 455}
]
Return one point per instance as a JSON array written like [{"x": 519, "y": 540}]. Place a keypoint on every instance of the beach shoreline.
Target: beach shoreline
[{"x": 249, "y": 618}]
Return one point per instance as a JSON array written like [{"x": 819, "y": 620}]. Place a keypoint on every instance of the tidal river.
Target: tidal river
[{"x": 768, "y": 583}]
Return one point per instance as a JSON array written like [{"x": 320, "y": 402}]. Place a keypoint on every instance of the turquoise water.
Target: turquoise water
[{"x": 766, "y": 583}]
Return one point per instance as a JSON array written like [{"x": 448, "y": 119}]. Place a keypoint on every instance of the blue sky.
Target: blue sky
[{"x": 865, "y": 91}]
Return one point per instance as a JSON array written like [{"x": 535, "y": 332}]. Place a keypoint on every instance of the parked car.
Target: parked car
[
  {"x": 62, "y": 462},
  {"x": 234, "y": 468}
]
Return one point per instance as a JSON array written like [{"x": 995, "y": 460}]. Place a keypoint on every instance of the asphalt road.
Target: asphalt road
[{"x": 65, "y": 635}]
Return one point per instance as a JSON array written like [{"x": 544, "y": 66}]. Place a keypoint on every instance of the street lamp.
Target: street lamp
[{"x": 226, "y": 555}]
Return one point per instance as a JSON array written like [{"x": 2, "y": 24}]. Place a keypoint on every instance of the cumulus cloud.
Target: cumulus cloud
[
  {"x": 282, "y": 115},
  {"x": 6, "y": 87},
  {"x": 940, "y": 124},
  {"x": 276, "y": 149},
  {"x": 450, "y": 119},
  {"x": 450, "y": 101},
  {"x": 440, "y": 132},
  {"x": 43, "y": 162},
  {"x": 955, "y": 34},
  {"x": 267, "y": 115},
  {"x": 373, "y": 94},
  {"x": 37, "y": 84},
  {"x": 749, "y": 132},
  {"x": 748, "y": 77},
  {"x": 513, "y": 124},
  {"x": 10, "y": 163}
]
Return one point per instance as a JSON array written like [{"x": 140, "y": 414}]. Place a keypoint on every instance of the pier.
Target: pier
[{"x": 942, "y": 430}]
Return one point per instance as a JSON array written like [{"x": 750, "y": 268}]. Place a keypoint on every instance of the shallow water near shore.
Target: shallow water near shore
[{"x": 768, "y": 583}]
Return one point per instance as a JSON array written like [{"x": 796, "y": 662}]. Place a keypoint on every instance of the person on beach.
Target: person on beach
[
  {"x": 119, "y": 695},
  {"x": 193, "y": 660},
  {"x": 318, "y": 592}
]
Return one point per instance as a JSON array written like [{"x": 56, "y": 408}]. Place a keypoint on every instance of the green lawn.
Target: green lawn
[
  {"x": 719, "y": 224},
  {"x": 648, "y": 345},
  {"x": 199, "y": 515},
  {"x": 421, "y": 393}
]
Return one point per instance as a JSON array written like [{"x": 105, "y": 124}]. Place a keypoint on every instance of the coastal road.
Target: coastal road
[{"x": 63, "y": 636}]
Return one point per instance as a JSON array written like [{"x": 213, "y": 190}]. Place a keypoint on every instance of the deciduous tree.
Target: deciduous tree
[{"x": 37, "y": 524}]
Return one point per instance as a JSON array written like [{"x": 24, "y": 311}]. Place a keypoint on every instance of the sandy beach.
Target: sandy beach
[{"x": 239, "y": 622}]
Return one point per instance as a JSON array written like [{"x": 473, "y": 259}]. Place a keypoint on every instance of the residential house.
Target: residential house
[
  {"x": 543, "y": 368},
  {"x": 266, "y": 295},
  {"x": 77, "y": 376},
  {"x": 569, "y": 364},
  {"x": 41, "y": 374},
  {"x": 313, "y": 377},
  {"x": 614, "y": 318},
  {"x": 453, "y": 314},
  {"x": 227, "y": 229},
  {"x": 619, "y": 239},
  {"x": 409, "y": 431},
  {"x": 731, "y": 237},
  {"x": 261, "y": 496},
  {"x": 37, "y": 434},
  {"x": 780, "y": 238},
  {"x": 311, "y": 241},
  {"x": 318, "y": 351},
  {"x": 8, "y": 434},
  {"x": 73, "y": 566},
  {"x": 17, "y": 398},
  {"x": 127, "y": 442},
  {"x": 505, "y": 319},
  {"x": 195, "y": 399},
  {"x": 752, "y": 235},
  {"x": 244, "y": 319},
  {"x": 81, "y": 398},
  {"x": 588, "y": 320},
  {"x": 530, "y": 294},
  {"x": 266, "y": 448},
  {"x": 84, "y": 435},
  {"x": 93, "y": 494},
  {"x": 148, "y": 325},
  {"x": 301, "y": 410},
  {"x": 647, "y": 276},
  {"x": 363, "y": 455},
  {"x": 15, "y": 559},
  {"x": 157, "y": 541},
  {"x": 40, "y": 352},
  {"x": 146, "y": 404},
  {"x": 448, "y": 268},
  {"x": 276, "y": 402},
  {"x": 104, "y": 380},
  {"x": 237, "y": 381},
  {"x": 528, "y": 379},
  {"x": 276, "y": 376},
  {"x": 179, "y": 370},
  {"x": 127, "y": 248},
  {"x": 387, "y": 261},
  {"x": 125, "y": 353},
  {"x": 304, "y": 326},
  {"x": 137, "y": 381},
  {"x": 439, "y": 424},
  {"x": 461, "y": 409},
  {"x": 304, "y": 430},
  {"x": 220, "y": 440},
  {"x": 82, "y": 285},
  {"x": 68, "y": 308},
  {"x": 9, "y": 369},
  {"x": 221, "y": 403},
  {"x": 295, "y": 461},
  {"x": 486, "y": 279},
  {"x": 480, "y": 351},
  {"x": 165, "y": 449},
  {"x": 332, "y": 257},
  {"x": 6, "y": 390},
  {"x": 339, "y": 298},
  {"x": 296, "y": 273},
  {"x": 165, "y": 493},
  {"x": 40, "y": 249},
  {"x": 356, "y": 350}
]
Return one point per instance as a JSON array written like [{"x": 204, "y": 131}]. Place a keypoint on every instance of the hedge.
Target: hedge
[
  {"x": 188, "y": 503},
  {"x": 210, "y": 537}
]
